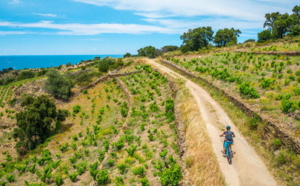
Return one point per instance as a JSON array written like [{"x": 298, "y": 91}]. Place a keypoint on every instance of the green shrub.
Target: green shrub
[
  {"x": 151, "y": 137},
  {"x": 145, "y": 182},
  {"x": 163, "y": 154},
  {"x": 58, "y": 85},
  {"x": 103, "y": 177},
  {"x": 246, "y": 89},
  {"x": 32, "y": 168},
  {"x": 101, "y": 155},
  {"x": 85, "y": 91},
  {"x": 288, "y": 105},
  {"x": 253, "y": 124},
  {"x": 58, "y": 179},
  {"x": 73, "y": 176},
  {"x": 266, "y": 83},
  {"x": 10, "y": 178},
  {"x": 110, "y": 162},
  {"x": 277, "y": 142},
  {"x": 76, "y": 109},
  {"x": 139, "y": 171},
  {"x": 131, "y": 150},
  {"x": 93, "y": 170},
  {"x": 119, "y": 181},
  {"x": 281, "y": 158},
  {"x": 122, "y": 167}
]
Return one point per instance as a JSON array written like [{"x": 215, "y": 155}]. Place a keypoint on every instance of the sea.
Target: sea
[{"x": 44, "y": 61}]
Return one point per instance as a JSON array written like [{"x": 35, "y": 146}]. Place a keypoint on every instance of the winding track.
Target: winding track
[{"x": 247, "y": 168}]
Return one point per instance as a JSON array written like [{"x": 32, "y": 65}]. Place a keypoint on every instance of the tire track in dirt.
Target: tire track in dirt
[{"x": 247, "y": 168}]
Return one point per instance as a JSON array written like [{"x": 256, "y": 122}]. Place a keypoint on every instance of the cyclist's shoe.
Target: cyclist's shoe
[{"x": 223, "y": 153}]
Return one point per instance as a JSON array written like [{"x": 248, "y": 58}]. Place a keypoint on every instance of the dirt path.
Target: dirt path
[{"x": 247, "y": 168}]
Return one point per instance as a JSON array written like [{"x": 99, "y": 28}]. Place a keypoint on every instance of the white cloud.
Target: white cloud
[
  {"x": 92, "y": 29},
  {"x": 12, "y": 32},
  {"x": 45, "y": 15},
  {"x": 214, "y": 23},
  {"x": 15, "y": 2},
  {"x": 242, "y": 9}
]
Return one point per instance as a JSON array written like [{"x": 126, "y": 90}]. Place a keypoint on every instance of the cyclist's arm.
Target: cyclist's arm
[
  {"x": 233, "y": 134},
  {"x": 222, "y": 134}
]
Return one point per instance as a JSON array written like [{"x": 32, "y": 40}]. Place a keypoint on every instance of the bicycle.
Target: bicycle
[{"x": 229, "y": 154}]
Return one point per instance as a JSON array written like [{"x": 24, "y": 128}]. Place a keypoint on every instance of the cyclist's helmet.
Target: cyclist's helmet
[{"x": 228, "y": 127}]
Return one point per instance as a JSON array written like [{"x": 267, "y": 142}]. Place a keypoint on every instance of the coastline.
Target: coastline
[{"x": 19, "y": 62}]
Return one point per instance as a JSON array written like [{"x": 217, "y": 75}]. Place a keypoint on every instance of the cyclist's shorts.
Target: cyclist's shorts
[{"x": 227, "y": 143}]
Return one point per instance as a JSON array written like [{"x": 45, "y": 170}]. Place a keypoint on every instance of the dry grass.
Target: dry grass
[{"x": 200, "y": 160}]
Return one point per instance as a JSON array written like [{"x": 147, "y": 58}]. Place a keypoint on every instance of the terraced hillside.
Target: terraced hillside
[
  {"x": 119, "y": 132},
  {"x": 269, "y": 85}
]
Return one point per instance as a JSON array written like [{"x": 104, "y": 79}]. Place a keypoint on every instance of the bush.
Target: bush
[
  {"x": 58, "y": 179},
  {"x": 110, "y": 162},
  {"x": 38, "y": 115},
  {"x": 93, "y": 170},
  {"x": 10, "y": 178},
  {"x": 277, "y": 142},
  {"x": 73, "y": 176},
  {"x": 246, "y": 89},
  {"x": 122, "y": 168},
  {"x": 253, "y": 124},
  {"x": 76, "y": 109},
  {"x": 58, "y": 85},
  {"x": 145, "y": 182},
  {"x": 170, "y": 110},
  {"x": 288, "y": 105},
  {"x": 139, "y": 171},
  {"x": 103, "y": 177},
  {"x": 131, "y": 150},
  {"x": 266, "y": 83}
]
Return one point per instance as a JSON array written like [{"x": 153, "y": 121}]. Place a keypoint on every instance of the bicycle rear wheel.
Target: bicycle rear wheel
[{"x": 229, "y": 156}]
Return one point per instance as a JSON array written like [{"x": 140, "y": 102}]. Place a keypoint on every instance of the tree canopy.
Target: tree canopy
[
  {"x": 58, "y": 85},
  {"x": 148, "y": 51},
  {"x": 108, "y": 63},
  {"x": 35, "y": 122},
  {"x": 196, "y": 39},
  {"x": 226, "y": 36},
  {"x": 127, "y": 55},
  {"x": 282, "y": 24},
  {"x": 263, "y": 36}
]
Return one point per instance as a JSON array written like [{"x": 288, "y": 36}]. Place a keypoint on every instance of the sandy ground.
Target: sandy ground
[{"x": 247, "y": 168}]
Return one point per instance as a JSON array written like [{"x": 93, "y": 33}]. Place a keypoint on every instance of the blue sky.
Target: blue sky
[{"x": 58, "y": 27}]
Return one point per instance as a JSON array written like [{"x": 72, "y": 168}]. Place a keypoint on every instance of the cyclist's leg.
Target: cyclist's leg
[{"x": 225, "y": 147}]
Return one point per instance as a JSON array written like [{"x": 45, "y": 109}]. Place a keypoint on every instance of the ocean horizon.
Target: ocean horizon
[{"x": 19, "y": 62}]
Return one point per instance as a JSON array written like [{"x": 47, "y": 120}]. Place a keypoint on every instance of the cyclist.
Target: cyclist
[{"x": 228, "y": 138}]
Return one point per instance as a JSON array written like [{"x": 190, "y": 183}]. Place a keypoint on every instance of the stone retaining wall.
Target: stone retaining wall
[
  {"x": 105, "y": 78},
  {"x": 292, "y": 53},
  {"x": 272, "y": 128}
]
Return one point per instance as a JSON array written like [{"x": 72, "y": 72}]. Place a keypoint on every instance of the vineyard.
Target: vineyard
[
  {"x": 109, "y": 137},
  {"x": 268, "y": 83}
]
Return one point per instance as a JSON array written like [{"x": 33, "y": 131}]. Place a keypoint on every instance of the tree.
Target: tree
[
  {"x": 249, "y": 40},
  {"x": 196, "y": 39},
  {"x": 270, "y": 19},
  {"x": 295, "y": 21},
  {"x": 226, "y": 36},
  {"x": 282, "y": 24},
  {"x": 58, "y": 85},
  {"x": 148, "y": 51},
  {"x": 34, "y": 122},
  {"x": 127, "y": 55},
  {"x": 263, "y": 36},
  {"x": 168, "y": 48},
  {"x": 26, "y": 75},
  {"x": 104, "y": 64}
]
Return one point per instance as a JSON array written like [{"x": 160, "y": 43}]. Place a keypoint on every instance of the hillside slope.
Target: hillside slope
[{"x": 247, "y": 167}]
